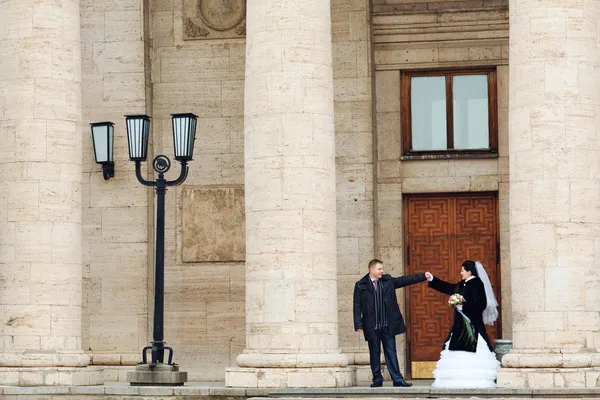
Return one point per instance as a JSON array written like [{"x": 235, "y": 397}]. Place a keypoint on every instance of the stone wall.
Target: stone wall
[
  {"x": 40, "y": 204},
  {"x": 207, "y": 77},
  {"x": 352, "y": 72},
  {"x": 185, "y": 65},
  {"x": 423, "y": 35},
  {"x": 115, "y": 212},
  {"x": 204, "y": 294}
]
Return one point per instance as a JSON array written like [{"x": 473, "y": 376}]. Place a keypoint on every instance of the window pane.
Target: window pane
[
  {"x": 471, "y": 114},
  {"x": 428, "y": 112}
]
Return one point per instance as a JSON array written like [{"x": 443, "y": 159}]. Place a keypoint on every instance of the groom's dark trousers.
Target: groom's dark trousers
[
  {"x": 366, "y": 317},
  {"x": 382, "y": 337}
]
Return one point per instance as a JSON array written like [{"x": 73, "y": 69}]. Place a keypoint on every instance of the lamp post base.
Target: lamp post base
[{"x": 160, "y": 375}]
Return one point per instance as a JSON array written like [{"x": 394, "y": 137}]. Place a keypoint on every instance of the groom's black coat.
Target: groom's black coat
[
  {"x": 364, "y": 303},
  {"x": 475, "y": 302}
]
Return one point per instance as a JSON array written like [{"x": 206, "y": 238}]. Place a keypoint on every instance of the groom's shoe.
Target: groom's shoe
[
  {"x": 402, "y": 383},
  {"x": 376, "y": 384}
]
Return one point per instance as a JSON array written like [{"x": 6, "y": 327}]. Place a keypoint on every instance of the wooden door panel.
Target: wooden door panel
[
  {"x": 433, "y": 253},
  {"x": 428, "y": 217},
  {"x": 475, "y": 216},
  {"x": 442, "y": 232}
]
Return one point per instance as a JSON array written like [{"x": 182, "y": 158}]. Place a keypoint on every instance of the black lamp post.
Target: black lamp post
[
  {"x": 184, "y": 134},
  {"x": 103, "y": 136}
]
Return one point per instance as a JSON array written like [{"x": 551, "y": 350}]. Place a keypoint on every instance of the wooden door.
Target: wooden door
[{"x": 440, "y": 233}]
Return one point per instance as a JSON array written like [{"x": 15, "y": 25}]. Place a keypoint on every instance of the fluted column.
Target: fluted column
[
  {"x": 291, "y": 279},
  {"x": 554, "y": 194},
  {"x": 40, "y": 204}
]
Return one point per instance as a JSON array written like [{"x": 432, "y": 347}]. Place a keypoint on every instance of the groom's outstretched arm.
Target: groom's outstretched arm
[{"x": 407, "y": 280}]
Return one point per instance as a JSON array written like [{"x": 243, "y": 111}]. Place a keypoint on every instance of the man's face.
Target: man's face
[
  {"x": 464, "y": 274},
  {"x": 376, "y": 271}
]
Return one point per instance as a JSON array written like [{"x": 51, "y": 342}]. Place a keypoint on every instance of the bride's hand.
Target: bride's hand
[{"x": 459, "y": 307}]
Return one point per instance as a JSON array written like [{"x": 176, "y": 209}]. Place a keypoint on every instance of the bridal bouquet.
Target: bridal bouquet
[{"x": 455, "y": 300}]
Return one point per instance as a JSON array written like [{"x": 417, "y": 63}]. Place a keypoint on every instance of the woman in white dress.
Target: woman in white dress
[{"x": 467, "y": 359}]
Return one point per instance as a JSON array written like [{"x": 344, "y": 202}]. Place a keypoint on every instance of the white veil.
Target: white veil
[{"x": 490, "y": 314}]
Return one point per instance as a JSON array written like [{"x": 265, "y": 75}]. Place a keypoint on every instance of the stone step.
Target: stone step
[{"x": 125, "y": 392}]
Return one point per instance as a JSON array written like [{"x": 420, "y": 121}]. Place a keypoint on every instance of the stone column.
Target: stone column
[
  {"x": 291, "y": 277},
  {"x": 554, "y": 194},
  {"x": 40, "y": 202}
]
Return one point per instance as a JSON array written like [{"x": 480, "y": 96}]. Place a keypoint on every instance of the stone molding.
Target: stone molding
[
  {"x": 551, "y": 360},
  {"x": 308, "y": 360},
  {"x": 44, "y": 359},
  {"x": 114, "y": 359},
  {"x": 51, "y": 376},
  {"x": 290, "y": 377},
  {"x": 214, "y": 19},
  {"x": 440, "y": 39},
  {"x": 549, "y": 378}
]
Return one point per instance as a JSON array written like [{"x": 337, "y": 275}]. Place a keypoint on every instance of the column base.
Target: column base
[
  {"x": 49, "y": 358},
  {"x": 160, "y": 375},
  {"x": 51, "y": 376},
  {"x": 547, "y": 378},
  {"x": 553, "y": 369},
  {"x": 290, "y": 377}
]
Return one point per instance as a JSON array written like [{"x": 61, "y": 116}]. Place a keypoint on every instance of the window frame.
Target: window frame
[{"x": 450, "y": 152}]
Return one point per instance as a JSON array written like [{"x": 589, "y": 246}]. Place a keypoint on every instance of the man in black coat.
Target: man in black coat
[{"x": 378, "y": 317}]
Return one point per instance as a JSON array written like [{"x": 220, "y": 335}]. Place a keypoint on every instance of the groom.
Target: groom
[{"x": 378, "y": 317}]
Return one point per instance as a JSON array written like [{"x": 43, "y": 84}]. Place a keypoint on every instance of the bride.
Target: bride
[{"x": 467, "y": 359}]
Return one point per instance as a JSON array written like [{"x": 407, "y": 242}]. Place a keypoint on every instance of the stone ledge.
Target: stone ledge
[
  {"x": 551, "y": 360},
  {"x": 50, "y": 376},
  {"x": 353, "y": 390},
  {"x": 51, "y": 359},
  {"x": 550, "y": 378},
  {"x": 106, "y": 392},
  {"x": 332, "y": 377},
  {"x": 300, "y": 360}
]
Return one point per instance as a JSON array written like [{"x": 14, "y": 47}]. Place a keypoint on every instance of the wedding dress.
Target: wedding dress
[
  {"x": 465, "y": 369},
  {"x": 467, "y": 360}
]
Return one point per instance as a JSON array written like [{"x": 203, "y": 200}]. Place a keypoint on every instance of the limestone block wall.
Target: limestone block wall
[
  {"x": 40, "y": 207},
  {"x": 554, "y": 235},
  {"x": 412, "y": 34},
  {"x": 181, "y": 65},
  {"x": 204, "y": 291},
  {"x": 115, "y": 212},
  {"x": 206, "y": 76},
  {"x": 353, "y": 105}
]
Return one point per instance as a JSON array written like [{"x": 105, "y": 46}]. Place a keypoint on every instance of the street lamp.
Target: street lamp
[
  {"x": 103, "y": 137},
  {"x": 184, "y": 134}
]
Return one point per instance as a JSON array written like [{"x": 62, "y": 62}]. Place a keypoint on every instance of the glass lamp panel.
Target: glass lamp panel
[
  {"x": 138, "y": 133},
  {"x": 111, "y": 142},
  {"x": 102, "y": 140},
  {"x": 184, "y": 135}
]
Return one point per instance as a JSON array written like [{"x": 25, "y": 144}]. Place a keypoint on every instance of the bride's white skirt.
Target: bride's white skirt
[{"x": 463, "y": 369}]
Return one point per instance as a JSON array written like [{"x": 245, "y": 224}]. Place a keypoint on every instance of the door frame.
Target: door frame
[{"x": 405, "y": 253}]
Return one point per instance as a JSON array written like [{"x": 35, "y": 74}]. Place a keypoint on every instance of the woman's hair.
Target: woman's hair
[{"x": 470, "y": 266}]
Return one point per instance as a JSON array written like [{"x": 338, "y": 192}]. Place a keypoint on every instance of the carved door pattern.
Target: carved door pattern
[{"x": 440, "y": 233}]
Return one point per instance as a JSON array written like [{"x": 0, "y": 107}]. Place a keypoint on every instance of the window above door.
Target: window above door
[{"x": 449, "y": 114}]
